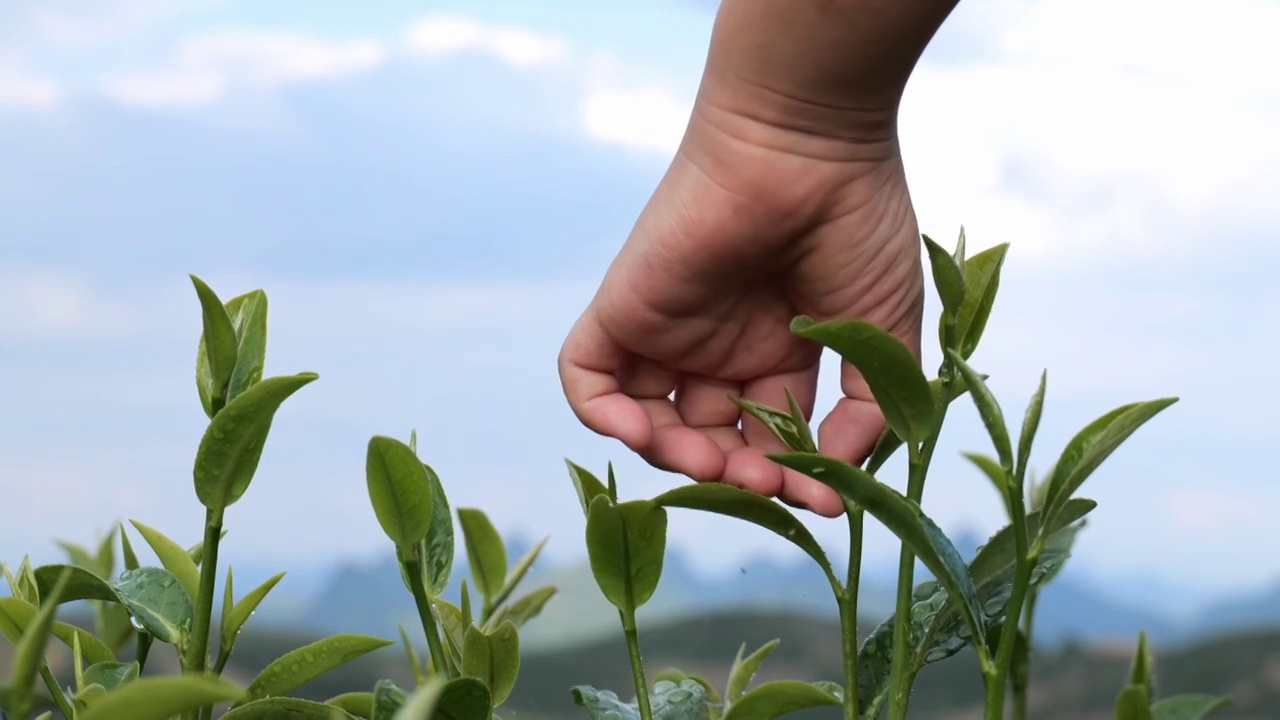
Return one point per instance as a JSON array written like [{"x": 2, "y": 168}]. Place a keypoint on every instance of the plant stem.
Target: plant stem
[
  {"x": 848, "y": 603},
  {"x": 59, "y": 697},
  {"x": 198, "y": 651},
  {"x": 144, "y": 649},
  {"x": 1024, "y": 562},
  {"x": 637, "y": 663},
  {"x": 413, "y": 569},
  {"x": 1020, "y": 683}
]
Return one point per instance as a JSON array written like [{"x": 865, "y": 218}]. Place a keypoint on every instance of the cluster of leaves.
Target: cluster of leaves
[
  {"x": 983, "y": 603},
  {"x": 474, "y": 656}
]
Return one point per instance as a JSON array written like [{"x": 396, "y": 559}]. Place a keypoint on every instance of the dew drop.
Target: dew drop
[
  {"x": 309, "y": 657},
  {"x": 295, "y": 667},
  {"x": 137, "y": 625}
]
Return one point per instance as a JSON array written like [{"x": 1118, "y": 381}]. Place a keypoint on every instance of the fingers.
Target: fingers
[{"x": 590, "y": 365}]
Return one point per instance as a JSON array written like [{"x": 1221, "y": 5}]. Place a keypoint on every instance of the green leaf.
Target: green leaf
[
  {"x": 105, "y": 561},
  {"x": 587, "y": 485},
  {"x": 1143, "y": 667},
  {"x": 232, "y": 444},
  {"x": 218, "y": 350},
  {"x": 603, "y": 704},
  {"x": 160, "y": 698},
  {"x": 28, "y": 654},
  {"x": 239, "y": 614},
  {"x": 157, "y": 600},
  {"x": 981, "y": 282},
  {"x": 903, "y": 518},
  {"x": 613, "y": 484},
  {"x": 297, "y": 667},
  {"x": 626, "y": 544},
  {"x": 1030, "y": 425},
  {"x": 998, "y": 476},
  {"x": 744, "y": 669},
  {"x": 81, "y": 583},
  {"x": 172, "y": 557},
  {"x": 197, "y": 551},
  {"x": 399, "y": 490},
  {"x": 493, "y": 658},
  {"x": 453, "y": 624},
  {"x": 79, "y": 555},
  {"x": 388, "y": 697},
  {"x": 437, "y": 549},
  {"x": 519, "y": 570},
  {"x": 1188, "y": 707},
  {"x": 415, "y": 662},
  {"x": 462, "y": 698},
  {"x": 948, "y": 278},
  {"x": 745, "y": 505},
  {"x": 685, "y": 700},
  {"x": 1094, "y": 444},
  {"x": 110, "y": 675},
  {"x": 959, "y": 254},
  {"x": 485, "y": 552},
  {"x": 523, "y": 610},
  {"x": 793, "y": 433},
  {"x": 1134, "y": 704},
  {"x": 17, "y": 614},
  {"x": 889, "y": 442},
  {"x": 891, "y": 371},
  {"x": 359, "y": 704},
  {"x": 24, "y": 584},
  {"x": 771, "y": 699},
  {"x": 287, "y": 708},
  {"x": 126, "y": 549},
  {"x": 422, "y": 704},
  {"x": 988, "y": 409},
  {"x": 249, "y": 318}
]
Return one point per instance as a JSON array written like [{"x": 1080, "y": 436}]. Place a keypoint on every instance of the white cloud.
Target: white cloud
[
  {"x": 58, "y": 304},
  {"x": 650, "y": 120},
  {"x": 448, "y": 34},
  {"x": 21, "y": 89},
  {"x": 208, "y": 68}
]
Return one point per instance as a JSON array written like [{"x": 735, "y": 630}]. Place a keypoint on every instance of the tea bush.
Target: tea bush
[{"x": 473, "y": 658}]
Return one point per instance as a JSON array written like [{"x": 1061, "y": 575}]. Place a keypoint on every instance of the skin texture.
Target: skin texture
[{"x": 787, "y": 196}]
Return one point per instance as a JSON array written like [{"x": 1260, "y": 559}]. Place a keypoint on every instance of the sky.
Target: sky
[{"x": 429, "y": 194}]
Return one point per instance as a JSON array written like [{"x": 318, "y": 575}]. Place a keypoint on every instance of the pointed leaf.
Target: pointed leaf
[
  {"x": 948, "y": 278},
  {"x": 415, "y": 662},
  {"x": 158, "y": 602},
  {"x": 988, "y": 409},
  {"x": 126, "y": 549},
  {"x": 232, "y": 444},
  {"x": 110, "y": 675},
  {"x": 79, "y": 555},
  {"x": 523, "y": 610},
  {"x": 16, "y": 614},
  {"x": 24, "y": 584},
  {"x": 244, "y": 608},
  {"x": 389, "y": 698},
  {"x": 437, "y": 548},
  {"x": 1094, "y": 444},
  {"x": 422, "y": 704},
  {"x": 1188, "y": 707},
  {"x": 1133, "y": 704},
  {"x": 889, "y": 442},
  {"x": 28, "y": 653},
  {"x": 172, "y": 557},
  {"x": 485, "y": 552},
  {"x": 359, "y": 704},
  {"x": 160, "y": 698},
  {"x": 771, "y": 699},
  {"x": 81, "y": 584},
  {"x": 493, "y": 658},
  {"x": 981, "y": 283},
  {"x": 745, "y": 505},
  {"x": 997, "y": 475},
  {"x": 889, "y": 368},
  {"x": 249, "y": 318},
  {"x": 519, "y": 570},
  {"x": 297, "y": 667},
  {"x": 626, "y": 544},
  {"x": 744, "y": 669},
  {"x": 287, "y": 708},
  {"x": 1143, "y": 667},
  {"x": 1030, "y": 425},
  {"x": 587, "y": 485},
  {"x": 399, "y": 490},
  {"x": 783, "y": 425},
  {"x": 218, "y": 350},
  {"x": 453, "y": 624},
  {"x": 105, "y": 560},
  {"x": 959, "y": 254}
]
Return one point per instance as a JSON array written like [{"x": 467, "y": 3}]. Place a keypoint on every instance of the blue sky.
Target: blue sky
[{"x": 429, "y": 194}]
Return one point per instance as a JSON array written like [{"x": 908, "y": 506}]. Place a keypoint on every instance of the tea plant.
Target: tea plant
[
  {"x": 473, "y": 652},
  {"x": 985, "y": 604}
]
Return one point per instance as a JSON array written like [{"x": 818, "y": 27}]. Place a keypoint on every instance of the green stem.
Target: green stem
[
  {"x": 996, "y": 683},
  {"x": 59, "y": 697},
  {"x": 637, "y": 663},
  {"x": 144, "y": 650},
  {"x": 427, "y": 615},
  {"x": 1020, "y": 683},
  {"x": 197, "y": 658},
  {"x": 848, "y": 602}
]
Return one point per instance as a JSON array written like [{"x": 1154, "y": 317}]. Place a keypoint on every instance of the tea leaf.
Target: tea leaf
[
  {"x": 110, "y": 675},
  {"x": 126, "y": 549},
  {"x": 891, "y": 371},
  {"x": 297, "y": 667},
  {"x": 453, "y": 624},
  {"x": 105, "y": 561},
  {"x": 784, "y": 425},
  {"x": 485, "y": 552},
  {"x": 523, "y": 610},
  {"x": 157, "y": 600},
  {"x": 359, "y": 704},
  {"x": 493, "y": 658},
  {"x": 613, "y": 483},
  {"x": 17, "y": 614},
  {"x": 988, "y": 409},
  {"x": 997, "y": 475},
  {"x": 745, "y": 505},
  {"x": 686, "y": 700},
  {"x": 981, "y": 282},
  {"x": 1030, "y": 424},
  {"x": 160, "y": 698},
  {"x": 519, "y": 570},
  {"x": 81, "y": 584},
  {"x": 437, "y": 548},
  {"x": 399, "y": 490},
  {"x": 626, "y": 544},
  {"x": 172, "y": 557},
  {"x": 901, "y": 516},
  {"x": 771, "y": 699},
  {"x": 603, "y": 704},
  {"x": 959, "y": 254},
  {"x": 744, "y": 669},
  {"x": 287, "y": 708},
  {"x": 889, "y": 442},
  {"x": 388, "y": 698},
  {"x": 462, "y": 698},
  {"x": 249, "y": 318},
  {"x": 1094, "y": 444},
  {"x": 1188, "y": 707},
  {"x": 28, "y": 653},
  {"x": 232, "y": 444},
  {"x": 421, "y": 705},
  {"x": 218, "y": 349},
  {"x": 239, "y": 614},
  {"x": 79, "y": 555},
  {"x": 1133, "y": 704},
  {"x": 948, "y": 278},
  {"x": 24, "y": 584},
  {"x": 587, "y": 485},
  {"x": 1143, "y": 665}
]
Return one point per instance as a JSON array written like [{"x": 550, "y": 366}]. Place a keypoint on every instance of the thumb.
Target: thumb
[{"x": 590, "y": 364}]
